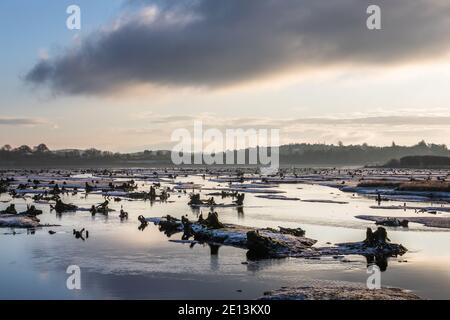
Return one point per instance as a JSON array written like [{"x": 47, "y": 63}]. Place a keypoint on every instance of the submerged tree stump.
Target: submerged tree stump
[{"x": 271, "y": 243}]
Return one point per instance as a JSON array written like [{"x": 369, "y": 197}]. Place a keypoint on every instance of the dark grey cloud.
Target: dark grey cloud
[{"x": 215, "y": 43}]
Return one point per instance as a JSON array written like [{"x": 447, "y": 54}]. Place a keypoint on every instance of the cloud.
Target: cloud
[
  {"x": 21, "y": 121},
  {"x": 380, "y": 130},
  {"x": 386, "y": 121},
  {"x": 216, "y": 43},
  {"x": 212, "y": 120}
]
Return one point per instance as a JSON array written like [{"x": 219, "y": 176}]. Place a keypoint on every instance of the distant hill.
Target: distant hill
[
  {"x": 292, "y": 154},
  {"x": 355, "y": 154},
  {"x": 420, "y": 162}
]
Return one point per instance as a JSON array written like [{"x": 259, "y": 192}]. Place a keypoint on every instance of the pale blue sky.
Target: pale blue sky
[
  {"x": 31, "y": 26},
  {"x": 128, "y": 113}
]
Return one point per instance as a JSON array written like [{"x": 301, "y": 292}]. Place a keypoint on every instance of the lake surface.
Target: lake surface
[{"x": 120, "y": 262}]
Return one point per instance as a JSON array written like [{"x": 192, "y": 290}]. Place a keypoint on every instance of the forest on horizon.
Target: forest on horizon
[{"x": 295, "y": 154}]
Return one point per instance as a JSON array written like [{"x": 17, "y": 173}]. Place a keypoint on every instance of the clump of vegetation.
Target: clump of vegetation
[
  {"x": 426, "y": 186},
  {"x": 432, "y": 186}
]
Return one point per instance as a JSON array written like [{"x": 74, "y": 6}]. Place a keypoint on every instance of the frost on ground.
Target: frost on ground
[{"x": 326, "y": 201}]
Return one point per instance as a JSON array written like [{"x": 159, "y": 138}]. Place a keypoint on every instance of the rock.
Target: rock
[
  {"x": 268, "y": 244},
  {"x": 342, "y": 292},
  {"x": 299, "y": 232},
  {"x": 260, "y": 246},
  {"x": 239, "y": 199},
  {"x": 123, "y": 215},
  {"x": 61, "y": 207},
  {"x": 435, "y": 222},
  {"x": 82, "y": 234},
  {"x": 18, "y": 221},
  {"x": 32, "y": 211},
  {"x": 195, "y": 200},
  {"x": 144, "y": 223},
  {"x": 379, "y": 237},
  {"x": 393, "y": 222},
  {"x": 212, "y": 221},
  {"x": 11, "y": 209},
  {"x": 376, "y": 244}
]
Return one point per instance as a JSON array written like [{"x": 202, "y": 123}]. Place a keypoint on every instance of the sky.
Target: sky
[{"x": 139, "y": 69}]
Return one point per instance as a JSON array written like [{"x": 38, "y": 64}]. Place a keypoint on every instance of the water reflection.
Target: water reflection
[
  {"x": 121, "y": 261},
  {"x": 240, "y": 211},
  {"x": 379, "y": 260},
  {"x": 375, "y": 241},
  {"x": 214, "y": 253},
  {"x": 214, "y": 249}
]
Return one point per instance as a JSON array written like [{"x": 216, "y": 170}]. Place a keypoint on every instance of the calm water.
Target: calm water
[{"x": 119, "y": 261}]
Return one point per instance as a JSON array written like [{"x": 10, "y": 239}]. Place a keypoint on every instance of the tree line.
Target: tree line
[{"x": 295, "y": 154}]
